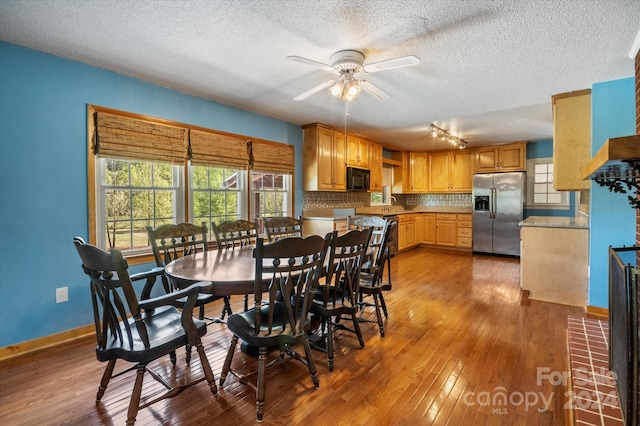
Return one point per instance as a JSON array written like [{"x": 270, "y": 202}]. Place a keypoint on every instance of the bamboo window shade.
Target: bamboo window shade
[
  {"x": 129, "y": 138},
  {"x": 218, "y": 150},
  {"x": 272, "y": 157}
]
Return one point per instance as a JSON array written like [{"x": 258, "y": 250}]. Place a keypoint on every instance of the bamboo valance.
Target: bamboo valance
[
  {"x": 218, "y": 150},
  {"x": 272, "y": 157},
  {"x": 119, "y": 136}
]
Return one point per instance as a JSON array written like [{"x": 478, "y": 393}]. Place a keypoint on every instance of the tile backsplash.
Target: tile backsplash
[
  {"x": 458, "y": 200},
  {"x": 323, "y": 200}
]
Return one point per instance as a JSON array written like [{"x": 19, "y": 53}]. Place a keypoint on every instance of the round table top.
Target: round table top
[{"x": 230, "y": 271}]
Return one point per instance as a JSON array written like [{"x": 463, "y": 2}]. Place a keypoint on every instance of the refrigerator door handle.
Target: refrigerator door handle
[{"x": 492, "y": 213}]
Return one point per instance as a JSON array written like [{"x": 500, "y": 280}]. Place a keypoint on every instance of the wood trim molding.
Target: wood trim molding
[
  {"x": 45, "y": 342},
  {"x": 598, "y": 313}
]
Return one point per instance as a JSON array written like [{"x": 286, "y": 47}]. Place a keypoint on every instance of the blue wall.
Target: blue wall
[
  {"x": 612, "y": 220},
  {"x": 43, "y": 176}
]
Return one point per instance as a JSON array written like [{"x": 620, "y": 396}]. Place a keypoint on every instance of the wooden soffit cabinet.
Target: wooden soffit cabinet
[{"x": 571, "y": 139}]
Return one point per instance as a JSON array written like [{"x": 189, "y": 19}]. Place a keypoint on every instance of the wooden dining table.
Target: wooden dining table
[{"x": 231, "y": 272}]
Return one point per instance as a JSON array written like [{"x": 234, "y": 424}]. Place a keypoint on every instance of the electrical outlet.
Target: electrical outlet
[{"x": 62, "y": 294}]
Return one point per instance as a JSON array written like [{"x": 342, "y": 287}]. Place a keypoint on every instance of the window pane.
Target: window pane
[
  {"x": 540, "y": 188},
  {"x": 232, "y": 203},
  {"x": 540, "y": 198},
  {"x": 142, "y": 205},
  {"x": 162, "y": 176},
  {"x": 217, "y": 203},
  {"x": 216, "y": 177},
  {"x": 201, "y": 206},
  {"x": 140, "y": 174},
  {"x": 539, "y": 178},
  {"x": 540, "y": 168},
  {"x": 199, "y": 177},
  {"x": 164, "y": 205},
  {"x": 116, "y": 172},
  {"x": 117, "y": 205},
  {"x": 555, "y": 198}
]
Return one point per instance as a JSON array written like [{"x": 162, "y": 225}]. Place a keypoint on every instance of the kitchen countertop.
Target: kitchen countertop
[{"x": 555, "y": 222}]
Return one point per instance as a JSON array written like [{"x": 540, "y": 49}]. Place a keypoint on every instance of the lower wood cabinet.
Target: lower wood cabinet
[
  {"x": 322, "y": 226},
  {"x": 463, "y": 224},
  {"x": 446, "y": 230}
]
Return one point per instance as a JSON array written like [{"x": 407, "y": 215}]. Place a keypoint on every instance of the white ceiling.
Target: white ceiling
[{"x": 487, "y": 74}]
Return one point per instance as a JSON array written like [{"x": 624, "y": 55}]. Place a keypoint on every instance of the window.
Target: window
[
  {"x": 540, "y": 191},
  {"x": 132, "y": 195},
  {"x": 270, "y": 194},
  {"x": 145, "y": 169},
  {"x": 217, "y": 194}
]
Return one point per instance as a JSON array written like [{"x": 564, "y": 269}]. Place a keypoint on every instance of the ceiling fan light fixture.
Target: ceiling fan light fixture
[{"x": 337, "y": 89}]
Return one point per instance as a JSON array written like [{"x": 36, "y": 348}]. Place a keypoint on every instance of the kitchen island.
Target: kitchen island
[{"x": 554, "y": 259}]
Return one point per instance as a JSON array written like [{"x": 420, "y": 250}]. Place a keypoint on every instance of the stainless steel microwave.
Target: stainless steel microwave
[{"x": 357, "y": 179}]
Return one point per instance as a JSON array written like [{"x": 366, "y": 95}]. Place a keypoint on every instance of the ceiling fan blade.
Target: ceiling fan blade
[
  {"x": 374, "y": 90},
  {"x": 404, "y": 61},
  {"x": 316, "y": 89},
  {"x": 312, "y": 63}
]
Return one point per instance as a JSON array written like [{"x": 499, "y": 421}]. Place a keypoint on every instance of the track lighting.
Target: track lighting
[{"x": 447, "y": 137}]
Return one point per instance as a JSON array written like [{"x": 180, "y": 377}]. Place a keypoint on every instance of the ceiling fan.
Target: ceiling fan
[{"x": 348, "y": 63}]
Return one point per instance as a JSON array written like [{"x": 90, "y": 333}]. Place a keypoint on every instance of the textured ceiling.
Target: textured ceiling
[{"x": 487, "y": 74}]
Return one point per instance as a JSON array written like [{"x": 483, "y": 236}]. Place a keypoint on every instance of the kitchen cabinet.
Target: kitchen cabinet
[
  {"x": 464, "y": 233},
  {"x": 450, "y": 171},
  {"x": 571, "y": 139},
  {"x": 428, "y": 228},
  {"x": 406, "y": 232},
  {"x": 357, "y": 152},
  {"x": 375, "y": 167},
  {"x": 323, "y": 159},
  {"x": 502, "y": 158},
  {"x": 446, "y": 230},
  {"x": 411, "y": 177},
  {"x": 554, "y": 259},
  {"x": 323, "y": 225}
]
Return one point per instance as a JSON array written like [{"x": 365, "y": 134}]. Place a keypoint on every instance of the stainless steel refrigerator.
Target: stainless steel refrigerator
[{"x": 498, "y": 203}]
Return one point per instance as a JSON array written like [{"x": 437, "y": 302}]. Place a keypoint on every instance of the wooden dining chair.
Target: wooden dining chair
[
  {"x": 378, "y": 225},
  {"x": 140, "y": 331},
  {"x": 236, "y": 233},
  {"x": 282, "y": 227},
  {"x": 337, "y": 293},
  {"x": 292, "y": 267},
  {"x": 172, "y": 241},
  {"x": 372, "y": 283}
]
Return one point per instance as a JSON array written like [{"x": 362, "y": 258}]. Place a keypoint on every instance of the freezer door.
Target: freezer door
[
  {"x": 482, "y": 230},
  {"x": 509, "y": 202}
]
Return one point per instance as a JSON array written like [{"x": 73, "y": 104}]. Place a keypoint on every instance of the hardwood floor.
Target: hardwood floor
[{"x": 462, "y": 347}]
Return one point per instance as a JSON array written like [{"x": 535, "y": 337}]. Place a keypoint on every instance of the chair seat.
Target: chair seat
[
  {"x": 166, "y": 333},
  {"x": 369, "y": 286},
  {"x": 336, "y": 302},
  {"x": 242, "y": 325}
]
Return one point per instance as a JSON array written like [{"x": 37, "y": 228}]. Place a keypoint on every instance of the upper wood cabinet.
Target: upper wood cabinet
[
  {"x": 357, "y": 152},
  {"x": 451, "y": 171},
  {"x": 375, "y": 166},
  {"x": 571, "y": 139},
  {"x": 323, "y": 159},
  {"x": 502, "y": 158},
  {"x": 418, "y": 167},
  {"x": 411, "y": 177}
]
